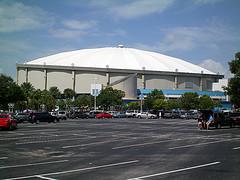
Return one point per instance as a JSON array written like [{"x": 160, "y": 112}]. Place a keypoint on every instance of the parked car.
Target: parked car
[
  {"x": 146, "y": 115},
  {"x": 176, "y": 114},
  {"x": 37, "y": 117},
  {"x": 22, "y": 117},
  {"x": 192, "y": 114},
  {"x": 81, "y": 115},
  {"x": 54, "y": 113},
  {"x": 103, "y": 115},
  {"x": 167, "y": 114},
  {"x": 7, "y": 122},
  {"x": 131, "y": 113},
  {"x": 219, "y": 119},
  {"x": 92, "y": 114},
  {"x": 112, "y": 112},
  {"x": 234, "y": 117},
  {"x": 119, "y": 115},
  {"x": 62, "y": 115}
]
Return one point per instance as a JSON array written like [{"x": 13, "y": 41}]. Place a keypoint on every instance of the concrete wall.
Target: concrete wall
[
  {"x": 182, "y": 83},
  {"x": 129, "y": 86},
  {"x": 85, "y": 79},
  {"x": 159, "y": 82},
  {"x": 207, "y": 84},
  {"x": 61, "y": 78},
  {"x": 21, "y": 75},
  {"x": 37, "y": 78}
]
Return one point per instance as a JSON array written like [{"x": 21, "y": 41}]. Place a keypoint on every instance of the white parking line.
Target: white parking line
[
  {"x": 74, "y": 170},
  {"x": 236, "y": 148},
  {"x": 1, "y": 158},
  {"x": 174, "y": 171},
  {"x": 94, "y": 143},
  {"x": 42, "y": 177},
  {"x": 32, "y": 164},
  {"x": 205, "y": 143},
  {"x": 148, "y": 143},
  {"x": 46, "y": 141}
]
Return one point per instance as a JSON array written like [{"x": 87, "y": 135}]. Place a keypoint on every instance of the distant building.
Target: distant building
[{"x": 127, "y": 69}]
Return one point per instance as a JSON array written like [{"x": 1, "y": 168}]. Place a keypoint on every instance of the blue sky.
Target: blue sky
[{"x": 203, "y": 32}]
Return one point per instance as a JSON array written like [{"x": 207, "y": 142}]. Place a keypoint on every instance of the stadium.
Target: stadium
[{"x": 132, "y": 70}]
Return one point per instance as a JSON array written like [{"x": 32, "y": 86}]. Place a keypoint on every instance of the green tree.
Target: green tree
[
  {"x": 233, "y": 88},
  {"x": 28, "y": 90},
  {"x": 133, "y": 105},
  {"x": 173, "y": 104},
  {"x": 149, "y": 101},
  {"x": 69, "y": 93},
  {"x": 47, "y": 100},
  {"x": 159, "y": 104},
  {"x": 61, "y": 104},
  {"x": 110, "y": 97},
  {"x": 35, "y": 103},
  {"x": 189, "y": 101},
  {"x": 10, "y": 92},
  {"x": 84, "y": 101},
  {"x": 205, "y": 102},
  {"x": 55, "y": 92}
]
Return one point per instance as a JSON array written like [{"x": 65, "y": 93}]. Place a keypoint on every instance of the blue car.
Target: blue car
[{"x": 119, "y": 115}]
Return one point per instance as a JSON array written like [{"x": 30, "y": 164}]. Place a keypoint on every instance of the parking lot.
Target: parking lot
[{"x": 119, "y": 149}]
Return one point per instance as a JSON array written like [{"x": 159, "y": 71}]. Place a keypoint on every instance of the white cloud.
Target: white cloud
[
  {"x": 134, "y": 8},
  {"x": 15, "y": 16},
  {"x": 141, "y": 8},
  {"x": 190, "y": 38},
  {"x": 80, "y": 25},
  {"x": 66, "y": 33},
  {"x": 73, "y": 28},
  {"x": 203, "y": 2},
  {"x": 8, "y": 46},
  {"x": 216, "y": 67}
]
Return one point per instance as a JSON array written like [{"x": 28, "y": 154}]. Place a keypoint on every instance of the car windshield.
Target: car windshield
[{"x": 3, "y": 116}]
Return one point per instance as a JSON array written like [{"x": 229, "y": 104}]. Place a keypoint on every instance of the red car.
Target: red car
[
  {"x": 103, "y": 115},
  {"x": 6, "y": 122}
]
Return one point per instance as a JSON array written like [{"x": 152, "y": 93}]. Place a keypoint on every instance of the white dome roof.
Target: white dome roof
[{"x": 120, "y": 58}]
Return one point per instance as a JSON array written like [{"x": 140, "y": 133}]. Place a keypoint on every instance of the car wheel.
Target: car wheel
[{"x": 139, "y": 117}]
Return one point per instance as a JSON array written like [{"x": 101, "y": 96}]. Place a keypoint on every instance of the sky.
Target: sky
[{"x": 203, "y": 32}]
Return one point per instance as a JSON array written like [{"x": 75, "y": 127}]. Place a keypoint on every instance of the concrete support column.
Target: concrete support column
[
  {"x": 108, "y": 78},
  {"x": 45, "y": 79},
  {"x": 17, "y": 76},
  {"x": 143, "y": 81},
  {"x": 175, "y": 86},
  {"x": 26, "y": 75},
  {"x": 74, "y": 80},
  {"x": 201, "y": 84}
]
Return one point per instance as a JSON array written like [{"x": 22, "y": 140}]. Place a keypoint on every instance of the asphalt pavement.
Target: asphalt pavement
[{"x": 120, "y": 149}]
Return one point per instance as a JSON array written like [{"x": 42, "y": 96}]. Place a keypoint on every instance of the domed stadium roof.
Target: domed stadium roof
[{"x": 120, "y": 58}]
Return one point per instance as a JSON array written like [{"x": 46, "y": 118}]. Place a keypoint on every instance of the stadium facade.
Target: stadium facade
[{"x": 127, "y": 69}]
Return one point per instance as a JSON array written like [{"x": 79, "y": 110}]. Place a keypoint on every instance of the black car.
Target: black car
[
  {"x": 37, "y": 117},
  {"x": 22, "y": 117},
  {"x": 77, "y": 114}
]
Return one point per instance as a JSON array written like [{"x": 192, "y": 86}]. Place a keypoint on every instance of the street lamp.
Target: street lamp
[{"x": 95, "y": 94}]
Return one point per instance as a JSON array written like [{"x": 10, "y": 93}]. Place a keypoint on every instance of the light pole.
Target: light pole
[
  {"x": 141, "y": 98},
  {"x": 95, "y": 95}
]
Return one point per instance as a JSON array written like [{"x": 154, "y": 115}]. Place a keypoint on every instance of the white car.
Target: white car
[
  {"x": 62, "y": 115},
  {"x": 131, "y": 113},
  {"x": 146, "y": 115}
]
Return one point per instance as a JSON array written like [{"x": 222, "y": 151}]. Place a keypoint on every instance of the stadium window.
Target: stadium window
[{"x": 189, "y": 85}]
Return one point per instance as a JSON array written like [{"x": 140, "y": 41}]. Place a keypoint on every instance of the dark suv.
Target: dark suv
[{"x": 37, "y": 117}]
